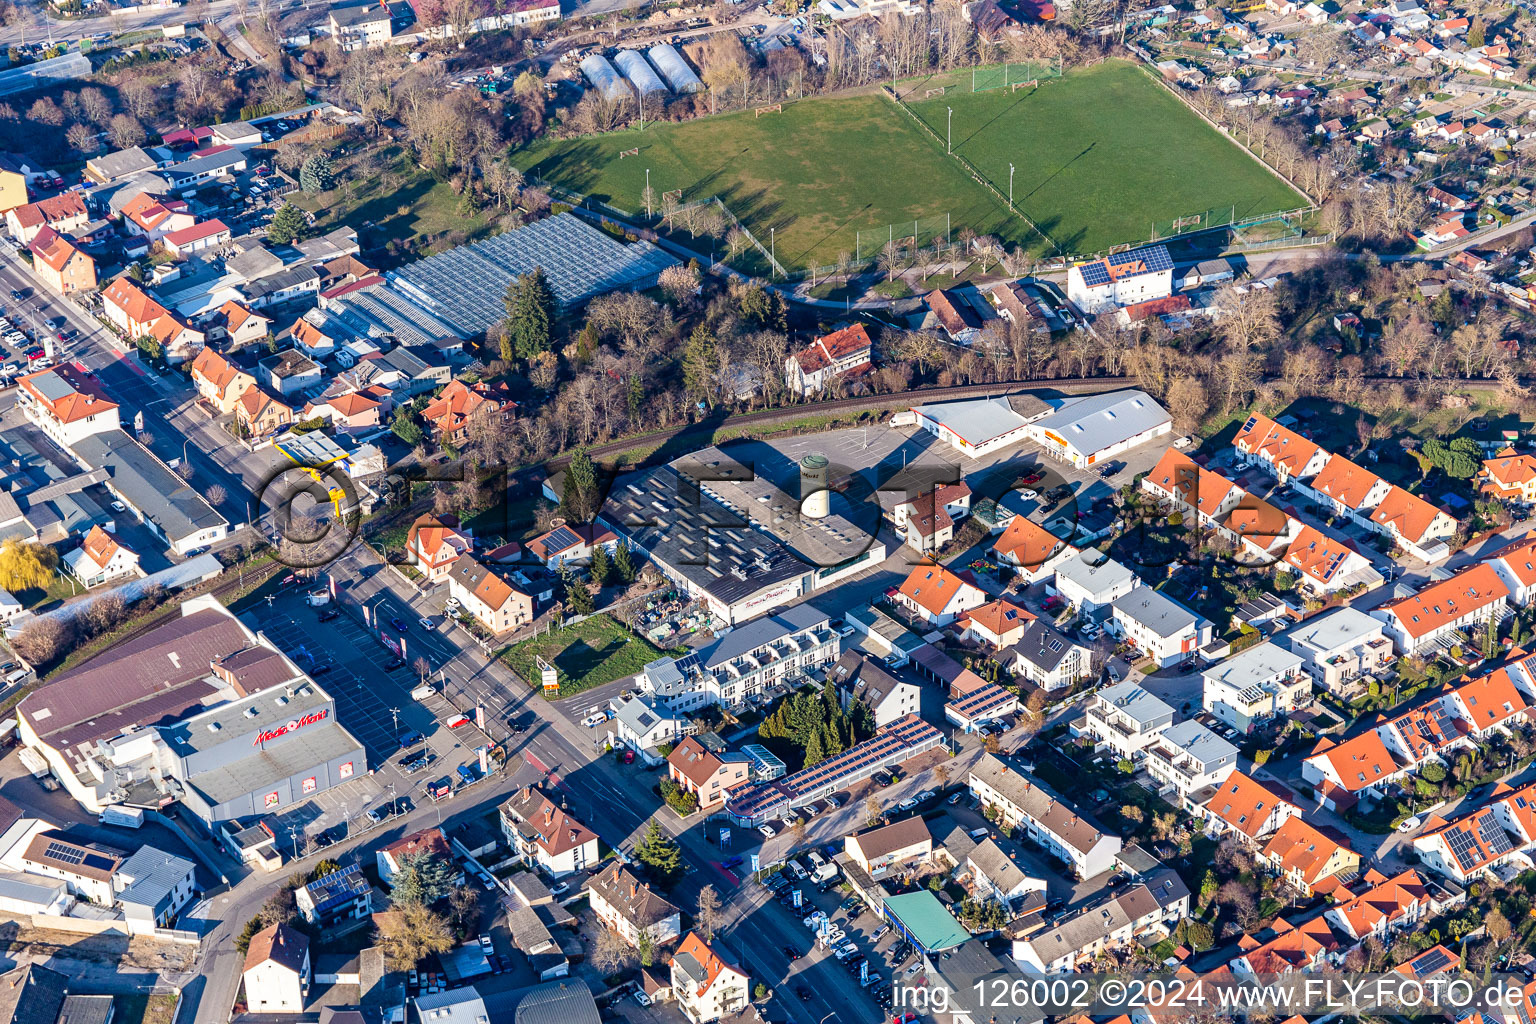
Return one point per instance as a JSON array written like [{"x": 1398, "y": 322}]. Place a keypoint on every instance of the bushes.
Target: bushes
[{"x": 678, "y": 798}]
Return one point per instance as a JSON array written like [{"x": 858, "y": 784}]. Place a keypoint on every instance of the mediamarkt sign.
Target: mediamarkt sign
[{"x": 297, "y": 723}]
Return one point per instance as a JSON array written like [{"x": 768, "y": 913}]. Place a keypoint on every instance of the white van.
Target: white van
[{"x": 17, "y": 676}]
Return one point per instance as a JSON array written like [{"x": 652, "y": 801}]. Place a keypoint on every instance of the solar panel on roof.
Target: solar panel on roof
[
  {"x": 67, "y": 854},
  {"x": 97, "y": 861},
  {"x": 1430, "y": 962}
]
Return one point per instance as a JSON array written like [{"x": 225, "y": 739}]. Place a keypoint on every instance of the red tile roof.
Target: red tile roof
[{"x": 1440, "y": 604}]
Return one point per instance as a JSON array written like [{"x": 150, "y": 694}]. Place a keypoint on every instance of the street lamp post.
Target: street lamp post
[
  {"x": 949, "y": 131},
  {"x": 648, "y": 193},
  {"x": 1010, "y": 186}
]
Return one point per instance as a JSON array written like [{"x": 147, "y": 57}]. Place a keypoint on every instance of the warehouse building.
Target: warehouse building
[
  {"x": 978, "y": 426},
  {"x": 200, "y": 712},
  {"x": 177, "y": 514},
  {"x": 1090, "y": 430}
]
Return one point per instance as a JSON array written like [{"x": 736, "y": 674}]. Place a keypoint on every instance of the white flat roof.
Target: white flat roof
[
  {"x": 1254, "y": 665},
  {"x": 976, "y": 421},
  {"x": 1095, "y": 422}
]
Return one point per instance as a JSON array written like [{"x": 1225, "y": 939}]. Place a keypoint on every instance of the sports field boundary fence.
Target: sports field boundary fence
[{"x": 976, "y": 175}]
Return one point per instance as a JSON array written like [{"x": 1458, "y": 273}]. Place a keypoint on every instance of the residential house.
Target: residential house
[
  {"x": 937, "y": 596},
  {"x": 887, "y": 849},
  {"x": 1389, "y": 906},
  {"x": 1343, "y": 773},
  {"x": 542, "y": 833},
  {"x": 1160, "y": 627},
  {"x": 1256, "y": 685},
  {"x": 1415, "y": 525},
  {"x": 219, "y": 382},
  {"x": 998, "y": 624},
  {"x": 290, "y": 373},
  {"x": 1324, "y": 564},
  {"x": 350, "y": 413},
  {"x": 434, "y": 543},
  {"x": 1123, "y": 279},
  {"x": 1516, "y": 566},
  {"x": 1142, "y": 913},
  {"x": 628, "y": 906},
  {"x": 238, "y": 325},
  {"x": 1278, "y": 450},
  {"x": 927, "y": 521},
  {"x": 426, "y": 842},
  {"x": 1048, "y": 658},
  {"x": 709, "y": 776},
  {"x": 973, "y": 701},
  {"x": 571, "y": 544},
  {"x": 66, "y": 213},
  {"x": 310, "y": 339},
  {"x": 1126, "y": 719},
  {"x": 101, "y": 558},
  {"x": 60, "y": 265},
  {"x": 1347, "y": 489},
  {"x": 450, "y": 412},
  {"x": 1443, "y": 609},
  {"x": 151, "y": 887},
  {"x": 357, "y": 26},
  {"x": 1187, "y": 758},
  {"x": 333, "y": 899},
  {"x": 994, "y": 875},
  {"x": 1508, "y": 475},
  {"x": 1090, "y": 581},
  {"x": 483, "y": 593},
  {"x": 1340, "y": 647},
  {"x": 66, "y": 405},
  {"x": 1306, "y": 859},
  {"x": 846, "y": 352},
  {"x": 707, "y": 987},
  {"x": 277, "y": 970},
  {"x": 1305, "y": 947},
  {"x": 260, "y": 415},
  {"x": 151, "y": 217},
  {"x": 953, "y": 315},
  {"x": 1487, "y": 704},
  {"x": 1033, "y": 551},
  {"x": 1244, "y": 807},
  {"x": 1473, "y": 845},
  {"x": 888, "y": 698},
  {"x": 1045, "y": 818}
]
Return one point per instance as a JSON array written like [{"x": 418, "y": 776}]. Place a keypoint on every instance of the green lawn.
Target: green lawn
[
  {"x": 1102, "y": 153},
  {"x": 816, "y": 173},
  {"x": 592, "y": 652}
]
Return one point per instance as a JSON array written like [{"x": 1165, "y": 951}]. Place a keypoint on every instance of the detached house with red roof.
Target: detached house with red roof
[
  {"x": 482, "y": 592},
  {"x": 1033, "y": 551},
  {"x": 219, "y": 382},
  {"x": 435, "y": 543},
  {"x": 260, "y": 414},
  {"x": 239, "y": 324},
  {"x": 1344, "y": 773},
  {"x": 928, "y": 521},
  {"x": 427, "y": 842},
  {"x": 937, "y": 596},
  {"x": 60, "y": 265},
  {"x": 847, "y": 351},
  {"x": 998, "y": 623},
  {"x": 66, "y": 405},
  {"x": 706, "y": 985},
  {"x": 1293, "y": 948},
  {"x": 350, "y": 412},
  {"x": 152, "y": 217},
  {"x": 1508, "y": 475},
  {"x": 1464, "y": 601},
  {"x": 1306, "y": 859},
  {"x": 101, "y": 558},
  {"x": 449, "y": 414},
  {"x": 64, "y": 213},
  {"x": 544, "y": 835},
  {"x": 205, "y": 234},
  {"x": 135, "y": 315},
  {"x": 1325, "y": 564},
  {"x": 707, "y": 775}
]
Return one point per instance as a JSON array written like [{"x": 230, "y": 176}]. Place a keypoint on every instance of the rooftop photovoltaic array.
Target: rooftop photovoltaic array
[
  {"x": 1430, "y": 962},
  {"x": 1154, "y": 258}
]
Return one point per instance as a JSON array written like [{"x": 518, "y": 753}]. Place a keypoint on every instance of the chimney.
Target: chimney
[
  {"x": 549, "y": 813},
  {"x": 632, "y": 890}
]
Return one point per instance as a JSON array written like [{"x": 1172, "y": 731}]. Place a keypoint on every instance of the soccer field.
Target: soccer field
[
  {"x": 1100, "y": 154},
  {"x": 815, "y": 173}
]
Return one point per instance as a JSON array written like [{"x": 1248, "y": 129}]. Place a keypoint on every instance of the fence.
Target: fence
[
  {"x": 1299, "y": 242},
  {"x": 1005, "y": 75}
]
